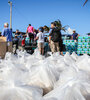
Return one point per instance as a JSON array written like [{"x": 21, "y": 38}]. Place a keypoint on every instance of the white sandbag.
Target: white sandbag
[
  {"x": 74, "y": 56},
  {"x": 65, "y": 76},
  {"x": 83, "y": 63},
  {"x": 43, "y": 77},
  {"x": 12, "y": 92},
  {"x": 68, "y": 59},
  {"x": 72, "y": 90},
  {"x": 10, "y": 71},
  {"x": 56, "y": 63}
]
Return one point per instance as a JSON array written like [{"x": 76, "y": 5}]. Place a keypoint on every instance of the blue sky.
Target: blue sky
[{"x": 43, "y": 12}]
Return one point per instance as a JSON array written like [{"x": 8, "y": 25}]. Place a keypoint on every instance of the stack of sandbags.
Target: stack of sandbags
[
  {"x": 73, "y": 84},
  {"x": 29, "y": 77}
]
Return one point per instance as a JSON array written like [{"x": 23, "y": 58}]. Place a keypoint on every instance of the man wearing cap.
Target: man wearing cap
[
  {"x": 75, "y": 35},
  {"x": 8, "y": 34}
]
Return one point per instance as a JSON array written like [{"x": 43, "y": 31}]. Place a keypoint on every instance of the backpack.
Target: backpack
[{"x": 56, "y": 36}]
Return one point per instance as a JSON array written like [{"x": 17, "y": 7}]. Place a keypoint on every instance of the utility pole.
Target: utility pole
[
  {"x": 10, "y": 3},
  {"x": 85, "y": 2}
]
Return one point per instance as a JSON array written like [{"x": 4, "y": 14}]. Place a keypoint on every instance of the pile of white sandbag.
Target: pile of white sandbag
[{"x": 34, "y": 77}]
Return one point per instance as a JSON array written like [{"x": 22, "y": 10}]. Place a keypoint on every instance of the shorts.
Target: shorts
[{"x": 40, "y": 45}]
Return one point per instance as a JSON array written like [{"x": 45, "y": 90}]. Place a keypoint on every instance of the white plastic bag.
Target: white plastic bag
[
  {"x": 43, "y": 77},
  {"x": 12, "y": 92}
]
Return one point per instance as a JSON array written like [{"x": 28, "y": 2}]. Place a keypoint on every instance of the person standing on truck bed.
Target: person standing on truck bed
[
  {"x": 40, "y": 38},
  {"x": 75, "y": 35},
  {"x": 6, "y": 32},
  {"x": 30, "y": 31}
]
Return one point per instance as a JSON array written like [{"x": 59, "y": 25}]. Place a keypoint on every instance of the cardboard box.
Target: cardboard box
[
  {"x": 3, "y": 47},
  {"x": 2, "y": 39}
]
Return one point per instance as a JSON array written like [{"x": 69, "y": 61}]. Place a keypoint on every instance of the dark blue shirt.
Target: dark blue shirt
[
  {"x": 75, "y": 36},
  {"x": 7, "y": 33}
]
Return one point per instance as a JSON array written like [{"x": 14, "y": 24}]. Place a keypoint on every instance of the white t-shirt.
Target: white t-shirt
[{"x": 40, "y": 37}]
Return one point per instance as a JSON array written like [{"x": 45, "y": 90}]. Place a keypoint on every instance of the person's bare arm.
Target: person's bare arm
[
  {"x": 36, "y": 38},
  {"x": 50, "y": 35},
  {"x": 71, "y": 37},
  {"x": 27, "y": 31},
  {"x": 49, "y": 39},
  {"x": 33, "y": 29},
  {"x": 77, "y": 36}
]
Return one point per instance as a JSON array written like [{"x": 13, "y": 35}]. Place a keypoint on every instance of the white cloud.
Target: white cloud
[{"x": 70, "y": 31}]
